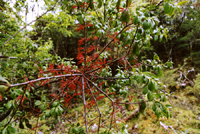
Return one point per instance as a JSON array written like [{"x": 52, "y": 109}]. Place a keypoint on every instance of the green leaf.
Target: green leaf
[
  {"x": 21, "y": 125},
  {"x": 155, "y": 37},
  {"x": 140, "y": 31},
  {"x": 163, "y": 108},
  {"x": 136, "y": 49},
  {"x": 135, "y": 20},
  {"x": 139, "y": 57},
  {"x": 123, "y": 128},
  {"x": 171, "y": 11},
  {"x": 161, "y": 37},
  {"x": 145, "y": 25},
  {"x": 56, "y": 111},
  {"x": 157, "y": 113},
  {"x": 54, "y": 104},
  {"x": 125, "y": 17},
  {"x": 11, "y": 130},
  {"x": 9, "y": 104},
  {"x": 144, "y": 67},
  {"x": 29, "y": 126},
  {"x": 154, "y": 107},
  {"x": 5, "y": 131},
  {"x": 42, "y": 117},
  {"x": 91, "y": 4},
  {"x": 3, "y": 80},
  {"x": 150, "y": 96},
  {"x": 149, "y": 24},
  {"x": 100, "y": 3},
  {"x": 47, "y": 113},
  {"x": 156, "y": 57},
  {"x": 169, "y": 64},
  {"x": 168, "y": 106},
  {"x": 138, "y": 78},
  {"x": 166, "y": 7},
  {"x": 128, "y": 3},
  {"x": 149, "y": 69},
  {"x": 146, "y": 14},
  {"x": 37, "y": 103},
  {"x": 3, "y": 88},
  {"x": 145, "y": 90},
  {"x": 53, "y": 112},
  {"x": 127, "y": 105},
  {"x": 162, "y": 98},
  {"x": 160, "y": 73},
  {"x": 151, "y": 86},
  {"x": 142, "y": 106},
  {"x": 118, "y": 4},
  {"x": 168, "y": 115},
  {"x": 157, "y": 95},
  {"x": 18, "y": 91},
  {"x": 42, "y": 107},
  {"x": 146, "y": 81},
  {"x": 138, "y": 36},
  {"x": 181, "y": 3},
  {"x": 27, "y": 123}
]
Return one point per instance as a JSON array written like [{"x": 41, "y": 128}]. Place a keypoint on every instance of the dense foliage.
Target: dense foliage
[{"x": 84, "y": 53}]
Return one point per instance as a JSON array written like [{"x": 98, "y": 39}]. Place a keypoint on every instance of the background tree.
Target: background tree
[{"x": 108, "y": 33}]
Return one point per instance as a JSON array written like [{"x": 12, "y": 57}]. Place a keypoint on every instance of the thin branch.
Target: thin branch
[
  {"x": 85, "y": 42},
  {"x": 90, "y": 121},
  {"x": 61, "y": 70},
  {"x": 96, "y": 105},
  {"x": 104, "y": 10},
  {"x": 99, "y": 18},
  {"x": 141, "y": 46},
  {"x": 109, "y": 43},
  {"x": 132, "y": 41},
  {"x": 115, "y": 121},
  {"x": 44, "y": 78},
  {"x": 27, "y": 25},
  {"x": 62, "y": 91},
  {"x": 106, "y": 78},
  {"x": 77, "y": 4},
  {"x": 17, "y": 108},
  {"x": 50, "y": 82},
  {"x": 160, "y": 3},
  {"x": 37, "y": 124},
  {"x": 67, "y": 107},
  {"x": 128, "y": 63},
  {"x": 5, "y": 115},
  {"x": 131, "y": 102},
  {"x": 99, "y": 89},
  {"x": 83, "y": 92},
  {"x": 8, "y": 57},
  {"x": 107, "y": 97},
  {"x": 68, "y": 102},
  {"x": 180, "y": 23},
  {"x": 143, "y": 62},
  {"x": 90, "y": 71}
]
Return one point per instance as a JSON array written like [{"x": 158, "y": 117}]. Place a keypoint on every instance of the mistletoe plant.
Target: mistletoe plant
[{"x": 110, "y": 63}]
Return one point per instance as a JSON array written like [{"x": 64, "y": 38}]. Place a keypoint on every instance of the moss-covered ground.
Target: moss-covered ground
[{"x": 185, "y": 114}]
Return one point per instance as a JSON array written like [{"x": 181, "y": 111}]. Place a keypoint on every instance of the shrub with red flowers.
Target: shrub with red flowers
[{"x": 113, "y": 41}]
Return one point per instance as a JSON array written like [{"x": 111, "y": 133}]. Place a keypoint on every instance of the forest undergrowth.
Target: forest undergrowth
[{"x": 185, "y": 113}]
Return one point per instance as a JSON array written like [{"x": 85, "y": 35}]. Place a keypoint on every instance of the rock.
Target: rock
[{"x": 191, "y": 74}]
